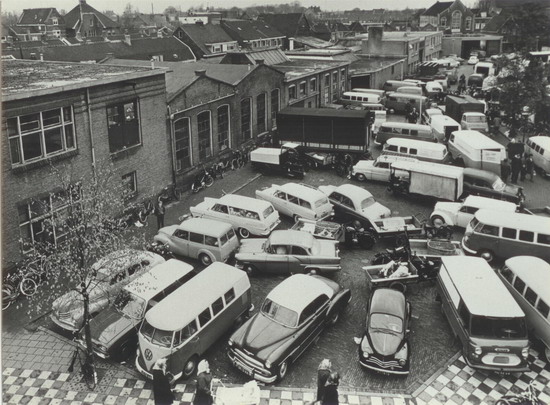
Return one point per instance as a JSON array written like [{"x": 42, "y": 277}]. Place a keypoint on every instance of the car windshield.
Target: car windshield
[
  {"x": 387, "y": 322},
  {"x": 499, "y": 185},
  {"x": 279, "y": 314},
  {"x": 319, "y": 203},
  {"x": 156, "y": 336},
  {"x": 476, "y": 118},
  {"x": 501, "y": 328},
  {"x": 130, "y": 305},
  {"x": 268, "y": 211},
  {"x": 367, "y": 202}
]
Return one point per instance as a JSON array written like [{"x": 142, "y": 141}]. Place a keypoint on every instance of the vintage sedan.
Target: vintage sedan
[
  {"x": 288, "y": 252},
  {"x": 354, "y": 202},
  {"x": 297, "y": 201},
  {"x": 291, "y": 317},
  {"x": 106, "y": 278},
  {"x": 384, "y": 346},
  {"x": 379, "y": 169},
  {"x": 488, "y": 184}
]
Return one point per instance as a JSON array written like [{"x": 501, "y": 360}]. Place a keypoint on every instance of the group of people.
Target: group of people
[
  {"x": 411, "y": 113},
  {"x": 519, "y": 166}
]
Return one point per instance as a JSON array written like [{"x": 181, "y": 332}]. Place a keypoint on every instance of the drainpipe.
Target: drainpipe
[
  {"x": 172, "y": 143},
  {"x": 89, "y": 108}
]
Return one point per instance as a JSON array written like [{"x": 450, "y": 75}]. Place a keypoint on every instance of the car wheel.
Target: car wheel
[
  {"x": 205, "y": 259},
  {"x": 190, "y": 366},
  {"x": 361, "y": 177},
  {"x": 296, "y": 217},
  {"x": 283, "y": 369},
  {"x": 487, "y": 255},
  {"x": 250, "y": 269},
  {"x": 437, "y": 221},
  {"x": 547, "y": 353},
  {"x": 244, "y": 233},
  {"x": 334, "y": 318}
]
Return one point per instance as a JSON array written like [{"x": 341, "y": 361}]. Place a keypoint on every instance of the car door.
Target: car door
[
  {"x": 179, "y": 242},
  {"x": 221, "y": 212},
  {"x": 298, "y": 259},
  {"x": 465, "y": 215},
  {"x": 196, "y": 243},
  {"x": 280, "y": 202},
  {"x": 381, "y": 171},
  {"x": 277, "y": 259},
  {"x": 312, "y": 321},
  {"x": 336, "y": 199}
]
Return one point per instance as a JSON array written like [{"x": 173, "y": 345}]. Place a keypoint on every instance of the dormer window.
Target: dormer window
[{"x": 55, "y": 21}]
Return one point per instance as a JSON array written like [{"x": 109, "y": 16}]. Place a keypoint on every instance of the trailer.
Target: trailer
[
  {"x": 456, "y": 106},
  {"x": 323, "y": 129},
  {"x": 320, "y": 229}
]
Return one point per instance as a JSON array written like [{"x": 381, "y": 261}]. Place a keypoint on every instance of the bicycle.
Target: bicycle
[
  {"x": 24, "y": 280},
  {"x": 528, "y": 397},
  {"x": 87, "y": 368}
]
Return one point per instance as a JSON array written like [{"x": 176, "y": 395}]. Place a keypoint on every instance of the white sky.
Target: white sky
[{"x": 144, "y": 6}]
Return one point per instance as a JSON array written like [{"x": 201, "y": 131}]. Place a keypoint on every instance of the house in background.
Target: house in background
[
  {"x": 205, "y": 40},
  {"x": 152, "y": 24},
  {"x": 40, "y": 23},
  {"x": 253, "y": 34},
  {"x": 86, "y": 21},
  {"x": 72, "y": 118},
  {"x": 291, "y": 25},
  {"x": 451, "y": 16}
]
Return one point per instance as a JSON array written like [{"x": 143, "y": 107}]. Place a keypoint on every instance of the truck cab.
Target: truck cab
[{"x": 474, "y": 121}]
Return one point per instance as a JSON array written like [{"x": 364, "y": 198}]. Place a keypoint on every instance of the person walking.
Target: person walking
[
  {"x": 516, "y": 168},
  {"x": 203, "y": 394},
  {"x": 330, "y": 396},
  {"x": 530, "y": 167},
  {"x": 323, "y": 373},
  {"x": 523, "y": 169},
  {"x": 160, "y": 210},
  {"x": 162, "y": 391},
  {"x": 505, "y": 170}
]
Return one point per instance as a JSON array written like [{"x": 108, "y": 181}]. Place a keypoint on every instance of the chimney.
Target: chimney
[
  {"x": 259, "y": 61},
  {"x": 127, "y": 39},
  {"x": 374, "y": 41},
  {"x": 82, "y": 2},
  {"x": 41, "y": 56},
  {"x": 152, "y": 63},
  {"x": 200, "y": 72},
  {"x": 290, "y": 44}
]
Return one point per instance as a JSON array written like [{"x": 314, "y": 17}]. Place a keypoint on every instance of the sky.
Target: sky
[{"x": 144, "y": 6}]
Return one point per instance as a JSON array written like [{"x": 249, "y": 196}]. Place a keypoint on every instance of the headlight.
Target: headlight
[
  {"x": 402, "y": 362},
  {"x": 239, "y": 265},
  {"x": 268, "y": 364},
  {"x": 365, "y": 347},
  {"x": 477, "y": 351},
  {"x": 230, "y": 342},
  {"x": 525, "y": 352},
  {"x": 401, "y": 355},
  {"x": 101, "y": 348}
]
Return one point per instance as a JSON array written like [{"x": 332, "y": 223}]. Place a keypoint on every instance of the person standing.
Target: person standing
[
  {"x": 323, "y": 373},
  {"x": 162, "y": 391},
  {"x": 516, "y": 168},
  {"x": 505, "y": 170},
  {"x": 530, "y": 167},
  {"x": 203, "y": 394},
  {"x": 160, "y": 210},
  {"x": 330, "y": 396},
  {"x": 523, "y": 169}
]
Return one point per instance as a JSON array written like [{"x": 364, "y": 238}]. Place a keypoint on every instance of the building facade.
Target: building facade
[
  {"x": 97, "y": 116},
  {"x": 45, "y": 21}
]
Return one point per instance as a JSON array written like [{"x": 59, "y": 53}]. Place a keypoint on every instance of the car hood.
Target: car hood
[
  {"x": 327, "y": 189},
  {"x": 166, "y": 231},
  {"x": 447, "y": 206},
  {"x": 251, "y": 246},
  {"x": 376, "y": 211},
  {"x": 109, "y": 324},
  {"x": 385, "y": 343},
  {"x": 70, "y": 301},
  {"x": 511, "y": 189},
  {"x": 261, "y": 336}
]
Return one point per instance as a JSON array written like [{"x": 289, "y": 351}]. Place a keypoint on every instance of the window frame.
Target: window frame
[
  {"x": 180, "y": 166},
  {"x": 292, "y": 92},
  {"x": 261, "y": 124},
  {"x": 226, "y": 143},
  {"x": 246, "y": 126},
  {"x": 133, "y": 190},
  {"x": 273, "y": 110},
  {"x": 208, "y": 150},
  {"x": 123, "y": 123}
]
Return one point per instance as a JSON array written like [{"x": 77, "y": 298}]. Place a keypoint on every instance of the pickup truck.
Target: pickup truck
[{"x": 283, "y": 160}]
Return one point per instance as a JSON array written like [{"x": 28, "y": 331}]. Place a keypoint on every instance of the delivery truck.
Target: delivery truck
[
  {"x": 323, "y": 129},
  {"x": 285, "y": 160},
  {"x": 456, "y": 106},
  {"x": 425, "y": 178}
]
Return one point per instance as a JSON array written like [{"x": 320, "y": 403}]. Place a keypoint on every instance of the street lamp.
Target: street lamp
[{"x": 525, "y": 113}]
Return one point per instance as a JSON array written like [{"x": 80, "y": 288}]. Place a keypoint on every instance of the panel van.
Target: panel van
[
  {"x": 539, "y": 147},
  {"x": 393, "y": 85},
  {"x": 474, "y": 120},
  {"x": 476, "y": 150},
  {"x": 491, "y": 234},
  {"x": 381, "y": 93},
  {"x": 399, "y": 101},
  {"x": 200, "y": 238},
  {"x": 483, "y": 315},
  {"x": 352, "y": 98},
  {"x": 189, "y": 321},
  {"x": 410, "y": 90},
  {"x": 421, "y": 150},
  {"x": 392, "y": 129},
  {"x": 527, "y": 278},
  {"x": 484, "y": 68},
  {"x": 428, "y": 113},
  {"x": 246, "y": 215},
  {"x": 443, "y": 126}
]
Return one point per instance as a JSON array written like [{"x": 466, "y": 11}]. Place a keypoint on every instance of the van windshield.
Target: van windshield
[
  {"x": 156, "y": 336},
  {"x": 279, "y": 314},
  {"x": 476, "y": 118},
  {"x": 321, "y": 202},
  {"x": 367, "y": 202},
  {"x": 499, "y": 185},
  {"x": 129, "y": 304},
  {"x": 268, "y": 211},
  {"x": 501, "y": 328}
]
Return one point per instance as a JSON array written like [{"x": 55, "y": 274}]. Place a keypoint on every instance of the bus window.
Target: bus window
[
  {"x": 204, "y": 317},
  {"x": 526, "y": 236},
  {"x": 543, "y": 308},
  {"x": 530, "y": 296},
  {"x": 519, "y": 285},
  {"x": 217, "y": 306}
]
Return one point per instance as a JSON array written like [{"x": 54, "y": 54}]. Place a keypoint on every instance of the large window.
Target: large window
[
  {"x": 183, "y": 145},
  {"x": 335, "y": 86},
  {"x": 292, "y": 92},
  {"x": 129, "y": 185},
  {"x": 260, "y": 112},
  {"x": 302, "y": 89},
  {"x": 123, "y": 124},
  {"x": 223, "y": 127},
  {"x": 444, "y": 21},
  {"x": 205, "y": 135},
  {"x": 43, "y": 219},
  {"x": 326, "y": 89},
  {"x": 468, "y": 25},
  {"x": 313, "y": 85},
  {"x": 246, "y": 115},
  {"x": 456, "y": 20},
  {"x": 40, "y": 135},
  {"x": 343, "y": 80},
  {"x": 274, "y": 107}
]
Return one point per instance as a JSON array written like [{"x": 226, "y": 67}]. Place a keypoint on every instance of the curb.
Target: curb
[{"x": 253, "y": 179}]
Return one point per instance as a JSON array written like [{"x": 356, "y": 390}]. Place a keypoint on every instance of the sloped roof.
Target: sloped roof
[
  {"x": 202, "y": 34},
  {"x": 72, "y": 40},
  {"x": 320, "y": 28},
  {"x": 314, "y": 42},
  {"x": 357, "y": 27},
  {"x": 438, "y": 8},
  {"x": 338, "y": 26},
  {"x": 270, "y": 56},
  {"x": 72, "y": 18},
  {"x": 33, "y": 29},
  {"x": 35, "y": 15},
  {"x": 157, "y": 20},
  {"x": 496, "y": 22},
  {"x": 247, "y": 30},
  {"x": 288, "y": 24}
]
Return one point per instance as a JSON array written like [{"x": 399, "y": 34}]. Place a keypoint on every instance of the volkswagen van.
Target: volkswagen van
[
  {"x": 399, "y": 101},
  {"x": 491, "y": 234},
  {"x": 189, "y": 321},
  {"x": 443, "y": 126},
  {"x": 460, "y": 214},
  {"x": 248, "y": 216},
  {"x": 411, "y": 89},
  {"x": 527, "y": 278},
  {"x": 483, "y": 315},
  {"x": 353, "y": 98},
  {"x": 539, "y": 147},
  {"x": 391, "y": 129},
  {"x": 421, "y": 150},
  {"x": 393, "y": 85}
]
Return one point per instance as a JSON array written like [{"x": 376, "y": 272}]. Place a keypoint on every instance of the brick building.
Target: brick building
[
  {"x": 451, "y": 16},
  {"x": 86, "y": 21},
  {"x": 46, "y": 22},
  {"x": 73, "y": 118},
  {"x": 205, "y": 40}
]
